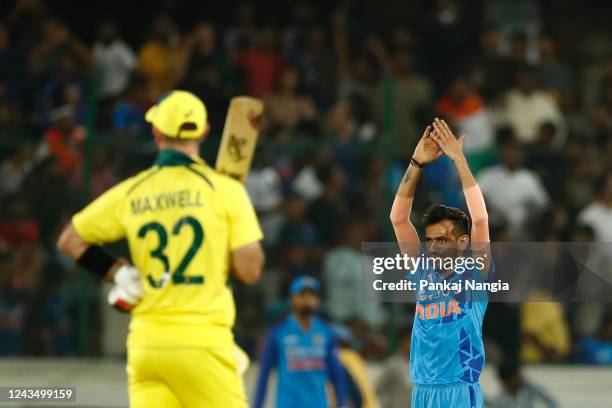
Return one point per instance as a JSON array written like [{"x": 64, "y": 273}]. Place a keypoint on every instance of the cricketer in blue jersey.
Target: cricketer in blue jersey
[
  {"x": 447, "y": 352},
  {"x": 303, "y": 350}
]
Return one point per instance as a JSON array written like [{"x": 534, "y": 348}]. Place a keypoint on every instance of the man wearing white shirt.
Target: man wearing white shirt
[
  {"x": 114, "y": 60},
  {"x": 341, "y": 275},
  {"x": 264, "y": 186},
  {"x": 598, "y": 214},
  {"x": 525, "y": 108},
  {"x": 516, "y": 193}
]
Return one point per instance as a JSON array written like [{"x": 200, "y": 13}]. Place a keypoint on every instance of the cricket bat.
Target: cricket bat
[{"x": 239, "y": 137}]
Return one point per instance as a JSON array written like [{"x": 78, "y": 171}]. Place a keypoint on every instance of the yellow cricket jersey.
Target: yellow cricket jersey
[{"x": 181, "y": 220}]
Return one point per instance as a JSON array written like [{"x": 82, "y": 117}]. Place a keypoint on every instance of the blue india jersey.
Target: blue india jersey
[
  {"x": 446, "y": 344},
  {"x": 305, "y": 361}
]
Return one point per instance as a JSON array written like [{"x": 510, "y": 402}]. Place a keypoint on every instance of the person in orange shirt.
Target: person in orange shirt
[
  {"x": 467, "y": 111},
  {"x": 64, "y": 141}
]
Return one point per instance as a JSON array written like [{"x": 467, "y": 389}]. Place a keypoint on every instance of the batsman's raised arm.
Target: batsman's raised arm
[{"x": 426, "y": 152}]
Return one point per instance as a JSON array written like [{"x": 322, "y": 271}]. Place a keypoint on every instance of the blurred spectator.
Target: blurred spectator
[
  {"x": 512, "y": 191},
  {"x": 594, "y": 282},
  {"x": 49, "y": 184},
  {"x": 502, "y": 323},
  {"x": 598, "y": 214},
  {"x": 317, "y": 64},
  {"x": 550, "y": 162},
  {"x": 394, "y": 385},
  {"x": 601, "y": 113},
  {"x": 12, "y": 307},
  {"x": 297, "y": 240},
  {"x": 358, "y": 77},
  {"x": 102, "y": 171},
  {"x": 20, "y": 235},
  {"x": 371, "y": 195},
  {"x": 519, "y": 51},
  {"x": 552, "y": 225},
  {"x": 346, "y": 138},
  {"x": 307, "y": 183},
  {"x": 297, "y": 230},
  {"x": 10, "y": 78},
  {"x": 492, "y": 72},
  {"x": 161, "y": 58},
  {"x": 67, "y": 87},
  {"x": 525, "y": 108},
  {"x": 517, "y": 392},
  {"x": 19, "y": 232},
  {"x": 357, "y": 71},
  {"x": 114, "y": 60},
  {"x": 328, "y": 212},
  {"x": 446, "y": 39},
  {"x": 265, "y": 190},
  {"x": 64, "y": 141},
  {"x": 130, "y": 109},
  {"x": 342, "y": 279},
  {"x": 545, "y": 332},
  {"x": 288, "y": 111},
  {"x": 56, "y": 43},
  {"x": 468, "y": 112},
  {"x": 356, "y": 370},
  {"x": 50, "y": 333},
  {"x": 60, "y": 65},
  {"x": 25, "y": 21},
  {"x": 10, "y": 117},
  {"x": 261, "y": 65},
  {"x": 293, "y": 37},
  {"x": 264, "y": 186},
  {"x": 11, "y": 81},
  {"x": 553, "y": 75},
  {"x": 412, "y": 100},
  {"x": 209, "y": 74},
  {"x": 598, "y": 348},
  {"x": 244, "y": 34},
  {"x": 14, "y": 170}
]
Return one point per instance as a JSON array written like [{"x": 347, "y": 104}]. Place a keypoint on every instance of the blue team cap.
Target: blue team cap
[{"x": 303, "y": 282}]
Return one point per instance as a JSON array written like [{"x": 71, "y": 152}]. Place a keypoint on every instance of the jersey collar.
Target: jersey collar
[{"x": 171, "y": 157}]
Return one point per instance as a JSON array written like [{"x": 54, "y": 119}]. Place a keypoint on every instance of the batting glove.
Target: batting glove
[{"x": 127, "y": 291}]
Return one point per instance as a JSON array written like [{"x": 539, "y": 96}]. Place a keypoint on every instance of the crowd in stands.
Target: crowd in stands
[{"x": 345, "y": 104}]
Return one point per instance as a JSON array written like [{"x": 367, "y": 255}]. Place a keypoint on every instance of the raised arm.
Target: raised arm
[
  {"x": 453, "y": 148},
  {"x": 425, "y": 152}
]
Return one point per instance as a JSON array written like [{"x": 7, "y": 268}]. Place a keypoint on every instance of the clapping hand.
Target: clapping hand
[
  {"x": 446, "y": 140},
  {"x": 427, "y": 150}
]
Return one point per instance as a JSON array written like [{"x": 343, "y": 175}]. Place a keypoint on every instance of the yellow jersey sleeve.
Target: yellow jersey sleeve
[
  {"x": 100, "y": 222},
  {"x": 243, "y": 224}
]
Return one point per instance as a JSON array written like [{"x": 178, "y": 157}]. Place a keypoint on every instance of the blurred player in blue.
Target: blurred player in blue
[
  {"x": 447, "y": 352},
  {"x": 303, "y": 350}
]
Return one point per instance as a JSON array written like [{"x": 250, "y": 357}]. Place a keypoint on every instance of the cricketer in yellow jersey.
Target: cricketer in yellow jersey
[{"x": 187, "y": 226}]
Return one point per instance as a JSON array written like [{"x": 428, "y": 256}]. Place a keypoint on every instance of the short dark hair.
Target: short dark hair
[{"x": 438, "y": 212}]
